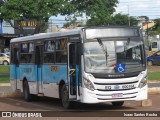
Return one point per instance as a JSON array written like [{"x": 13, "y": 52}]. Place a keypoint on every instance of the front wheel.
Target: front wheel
[
  {"x": 26, "y": 92},
  {"x": 65, "y": 97},
  {"x": 118, "y": 104}
]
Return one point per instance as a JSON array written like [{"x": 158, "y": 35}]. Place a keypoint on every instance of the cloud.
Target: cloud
[{"x": 150, "y": 8}]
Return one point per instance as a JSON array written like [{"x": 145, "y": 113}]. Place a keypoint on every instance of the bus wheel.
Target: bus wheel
[
  {"x": 26, "y": 93},
  {"x": 150, "y": 63},
  {"x": 118, "y": 104},
  {"x": 65, "y": 97}
]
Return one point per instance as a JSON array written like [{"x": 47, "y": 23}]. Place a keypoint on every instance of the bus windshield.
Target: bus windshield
[{"x": 106, "y": 56}]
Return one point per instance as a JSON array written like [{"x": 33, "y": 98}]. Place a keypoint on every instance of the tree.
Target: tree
[
  {"x": 98, "y": 11},
  {"x": 72, "y": 21},
  {"x": 38, "y": 10},
  {"x": 101, "y": 13},
  {"x": 123, "y": 19},
  {"x": 155, "y": 30}
]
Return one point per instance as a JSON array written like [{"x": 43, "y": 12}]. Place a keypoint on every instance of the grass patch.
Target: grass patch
[
  {"x": 4, "y": 79},
  {"x": 4, "y": 69},
  {"x": 154, "y": 75}
]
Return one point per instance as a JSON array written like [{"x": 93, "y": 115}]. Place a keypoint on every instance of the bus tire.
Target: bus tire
[
  {"x": 118, "y": 104},
  {"x": 26, "y": 93},
  {"x": 65, "y": 97}
]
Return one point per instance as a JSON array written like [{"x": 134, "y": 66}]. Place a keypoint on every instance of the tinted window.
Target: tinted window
[
  {"x": 49, "y": 51},
  {"x": 61, "y": 50}
]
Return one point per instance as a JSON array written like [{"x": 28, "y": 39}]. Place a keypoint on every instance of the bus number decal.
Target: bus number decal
[
  {"x": 108, "y": 87},
  {"x": 130, "y": 86},
  {"x": 54, "y": 68}
]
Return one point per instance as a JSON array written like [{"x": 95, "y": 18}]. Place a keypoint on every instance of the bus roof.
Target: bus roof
[
  {"x": 63, "y": 33},
  {"x": 47, "y": 35}
]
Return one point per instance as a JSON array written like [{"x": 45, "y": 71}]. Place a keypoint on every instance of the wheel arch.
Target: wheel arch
[
  {"x": 61, "y": 83},
  {"x": 24, "y": 79}
]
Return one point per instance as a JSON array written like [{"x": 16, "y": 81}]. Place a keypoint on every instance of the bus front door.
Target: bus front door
[
  {"x": 73, "y": 70},
  {"x": 38, "y": 62}
]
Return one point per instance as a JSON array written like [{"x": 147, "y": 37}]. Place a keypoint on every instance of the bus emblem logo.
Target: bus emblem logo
[{"x": 116, "y": 87}]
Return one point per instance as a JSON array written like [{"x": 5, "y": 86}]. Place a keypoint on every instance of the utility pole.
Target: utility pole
[
  {"x": 148, "y": 37},
  {"x": 129, "y": 22}
]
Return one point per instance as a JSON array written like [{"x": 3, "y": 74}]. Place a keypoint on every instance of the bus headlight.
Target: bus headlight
[
  {"x": 143, "y": 82},
  {"x": 88, "y": 84}
]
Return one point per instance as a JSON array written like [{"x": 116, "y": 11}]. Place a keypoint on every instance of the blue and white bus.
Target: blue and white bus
[{"x": 88, "y": 65}]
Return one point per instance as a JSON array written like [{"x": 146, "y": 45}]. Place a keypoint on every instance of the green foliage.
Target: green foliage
[
  {"x": 117, "y": 19},
  {"x": 123, "y": 19},
  {"x": 71, "y": 20},
  {"x": 98, "y": 11},
  {"x": 156, "y": 29},
  {"x": 38, "y": 10}
]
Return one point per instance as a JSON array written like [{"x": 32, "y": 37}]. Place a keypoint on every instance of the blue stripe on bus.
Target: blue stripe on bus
[{"x": 29, "y": 71}]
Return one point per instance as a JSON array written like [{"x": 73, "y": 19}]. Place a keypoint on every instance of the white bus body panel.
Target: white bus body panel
[
  {"x": 96, "y": 96},
  {"x": 99, "y": 96},
  {"x": 51, "y": 90}
]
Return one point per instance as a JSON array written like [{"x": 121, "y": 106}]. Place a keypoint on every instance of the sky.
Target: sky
[{"x": 150, "y": 8}]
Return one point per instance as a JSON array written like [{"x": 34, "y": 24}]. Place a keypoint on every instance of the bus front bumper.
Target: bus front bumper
[{"x": 96, "y": 96}]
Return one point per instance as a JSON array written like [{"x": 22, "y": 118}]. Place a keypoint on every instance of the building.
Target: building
[{"x": 6, "y": 34}]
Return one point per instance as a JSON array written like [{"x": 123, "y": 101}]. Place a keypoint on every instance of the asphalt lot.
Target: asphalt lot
[
  {"x": 52, "y": 109},
  {"x": 50, "y": 104}
]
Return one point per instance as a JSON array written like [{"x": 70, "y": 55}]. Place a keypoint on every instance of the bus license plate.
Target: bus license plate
[{"x": 117, "y": 95}]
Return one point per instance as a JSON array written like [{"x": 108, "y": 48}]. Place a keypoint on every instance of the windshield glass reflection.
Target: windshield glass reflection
[{"x": 106, "y": 56}]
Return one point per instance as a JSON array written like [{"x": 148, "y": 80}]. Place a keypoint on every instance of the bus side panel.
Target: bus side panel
[
  {"x": 52, "y": 75},
  {"x": 14, "y": 76},
  {"x": 29, "y": 72}
]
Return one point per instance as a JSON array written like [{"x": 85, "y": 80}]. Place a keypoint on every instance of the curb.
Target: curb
[
  {"x": 154, "y": 90},
  {"x": 5, "y": 84},
  {"x": 153, "y": 81},
  {"x": 11, "y": 94}
]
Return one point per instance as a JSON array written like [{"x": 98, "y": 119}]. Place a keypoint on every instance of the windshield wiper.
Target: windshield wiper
[
  {"x": 103, "y": 48},
  {"x": 126, "y": 47}
]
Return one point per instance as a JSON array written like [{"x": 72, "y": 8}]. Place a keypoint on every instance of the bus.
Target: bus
[{"x": 88, "y": 65}]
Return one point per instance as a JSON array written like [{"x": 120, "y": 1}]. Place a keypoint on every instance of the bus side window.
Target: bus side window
[
  {"x": 16, "y": 56},
  {"x": 49, "y": 57},
  {"x": 61, "y": 50},
  {"x": 26, "y": 55},
  {"x": 49, "y": 51}
]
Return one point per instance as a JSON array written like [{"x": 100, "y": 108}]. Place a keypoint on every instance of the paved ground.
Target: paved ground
[
  {"x": 52, "y": 107},
  {"x": 153, "y": 68},
  {"x": 45, "y": 104},
  {"x": 5, "y": 89}
]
